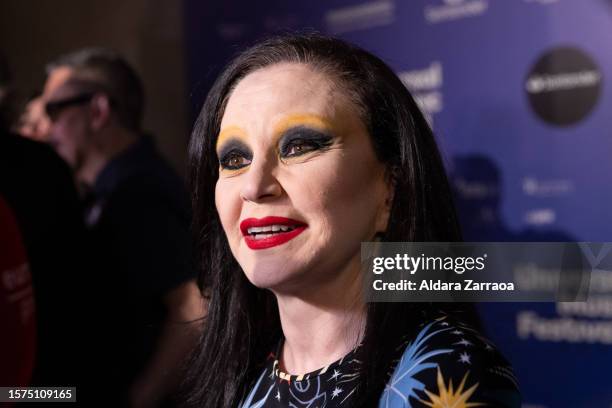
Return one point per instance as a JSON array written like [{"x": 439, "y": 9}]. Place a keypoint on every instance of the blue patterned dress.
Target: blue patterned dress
[{"x": 447, "y": 364}]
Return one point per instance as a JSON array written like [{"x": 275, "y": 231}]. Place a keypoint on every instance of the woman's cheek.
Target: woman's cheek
[{"x": 227, "y": 201}]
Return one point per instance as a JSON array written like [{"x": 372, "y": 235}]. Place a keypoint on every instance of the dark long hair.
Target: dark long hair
[{"x": 243, "y": 324}]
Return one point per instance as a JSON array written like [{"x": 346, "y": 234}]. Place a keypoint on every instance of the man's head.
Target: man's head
[{"x": 91, "y": 96}]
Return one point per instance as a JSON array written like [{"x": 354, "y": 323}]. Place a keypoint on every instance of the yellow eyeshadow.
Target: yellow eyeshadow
[
  {"x": 232, "y": 172},
  {"x": 313, "y": 121},
  {"x": 309, "y": 120},
  {"x": 233, "y": 132}
]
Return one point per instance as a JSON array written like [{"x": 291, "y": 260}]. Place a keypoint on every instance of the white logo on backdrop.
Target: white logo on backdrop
[
  {"x": 540, "y": 217},
  {"x": 547, "y": 188},
  {"x": 426, "y": 87},
  {"x": 474, "y": 190},
  {"x": 361, "y": 16},
  {"x": 562, "y": 82},
  {"x": 455, "y": 10}
]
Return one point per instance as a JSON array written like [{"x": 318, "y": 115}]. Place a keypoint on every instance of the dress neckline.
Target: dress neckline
[{"x": 350, "y": 356}]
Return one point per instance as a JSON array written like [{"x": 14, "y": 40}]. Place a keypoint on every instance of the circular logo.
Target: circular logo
[{"x": 563, "y": 86}]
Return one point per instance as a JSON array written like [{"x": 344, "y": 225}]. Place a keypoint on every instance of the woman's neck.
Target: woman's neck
[{"x": 322, "y": 325}]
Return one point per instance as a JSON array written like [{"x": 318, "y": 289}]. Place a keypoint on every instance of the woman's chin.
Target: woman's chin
[
  {"x": 265, "y": 279},
  {"x": 275, "y": 278}
]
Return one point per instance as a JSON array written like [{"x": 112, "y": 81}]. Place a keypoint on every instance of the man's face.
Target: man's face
[{"x": 69, "y": 131}]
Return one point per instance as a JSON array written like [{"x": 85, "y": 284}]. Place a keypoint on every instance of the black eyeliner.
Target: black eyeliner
[
  {"x": 231, "y": 147},
  {"x": 306, "y": 134}
]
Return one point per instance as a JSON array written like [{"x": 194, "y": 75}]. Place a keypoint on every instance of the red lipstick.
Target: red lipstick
[{"x": 267, "y": 232}]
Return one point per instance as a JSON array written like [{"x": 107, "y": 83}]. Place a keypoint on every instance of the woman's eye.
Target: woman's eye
[
  {"x": 299, "y": 147},
  {"x": 234, "y": 161}
]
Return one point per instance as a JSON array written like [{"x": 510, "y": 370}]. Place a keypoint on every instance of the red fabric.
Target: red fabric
[{"x": 17, "y": 318}]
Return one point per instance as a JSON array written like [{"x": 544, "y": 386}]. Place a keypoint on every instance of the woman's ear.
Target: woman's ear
[{"x": 389, "y": 193}]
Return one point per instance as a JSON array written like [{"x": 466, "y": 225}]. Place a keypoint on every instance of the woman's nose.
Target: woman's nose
[{"x": 260, "y": 182}]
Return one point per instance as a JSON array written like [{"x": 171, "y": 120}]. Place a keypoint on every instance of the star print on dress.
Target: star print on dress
[
  {"x": 447, "y": 398},
  {"x": 336, "y": 392},
  {"x": 464, "y": 358},
  {"x": 416, "y": 358},
  {"x": 334, "y": 375},
  {"x": 469, "y": 354},
  {"x": 441, "y": 363},
  {"x": 464, "y": 342}
]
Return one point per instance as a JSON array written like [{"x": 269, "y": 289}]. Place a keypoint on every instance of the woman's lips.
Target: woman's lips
[{"x": 267, "y": 232}]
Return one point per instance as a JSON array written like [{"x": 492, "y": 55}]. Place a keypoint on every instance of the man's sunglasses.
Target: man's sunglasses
[{"x": 54, "y": 108}]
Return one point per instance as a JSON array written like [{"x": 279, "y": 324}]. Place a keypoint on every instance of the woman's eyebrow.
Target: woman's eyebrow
[
  {"x": 231, "y": 132},
  {"x": 302, "y": 121}
]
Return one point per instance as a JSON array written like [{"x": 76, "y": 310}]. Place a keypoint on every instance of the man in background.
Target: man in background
[{"x": 141, "y": 287}]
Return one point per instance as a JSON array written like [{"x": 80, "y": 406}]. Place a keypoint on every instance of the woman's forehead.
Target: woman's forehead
[{"x": 268, "y": 96}]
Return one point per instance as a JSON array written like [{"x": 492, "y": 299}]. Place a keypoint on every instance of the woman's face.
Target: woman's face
[{"x": 299, "y": 183}]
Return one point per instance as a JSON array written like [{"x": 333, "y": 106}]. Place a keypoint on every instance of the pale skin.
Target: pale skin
[
  {"x": 338, "y": 188},
  {"x": 87, "y": 137}
]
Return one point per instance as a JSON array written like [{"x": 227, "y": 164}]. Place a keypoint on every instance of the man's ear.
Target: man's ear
[
  {"x": 100, "y": 110},
  {"x": 385, "y": 212}
]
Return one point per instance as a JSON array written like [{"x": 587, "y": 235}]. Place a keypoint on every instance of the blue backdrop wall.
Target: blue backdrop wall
[{"x": 518, "y": 93}]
